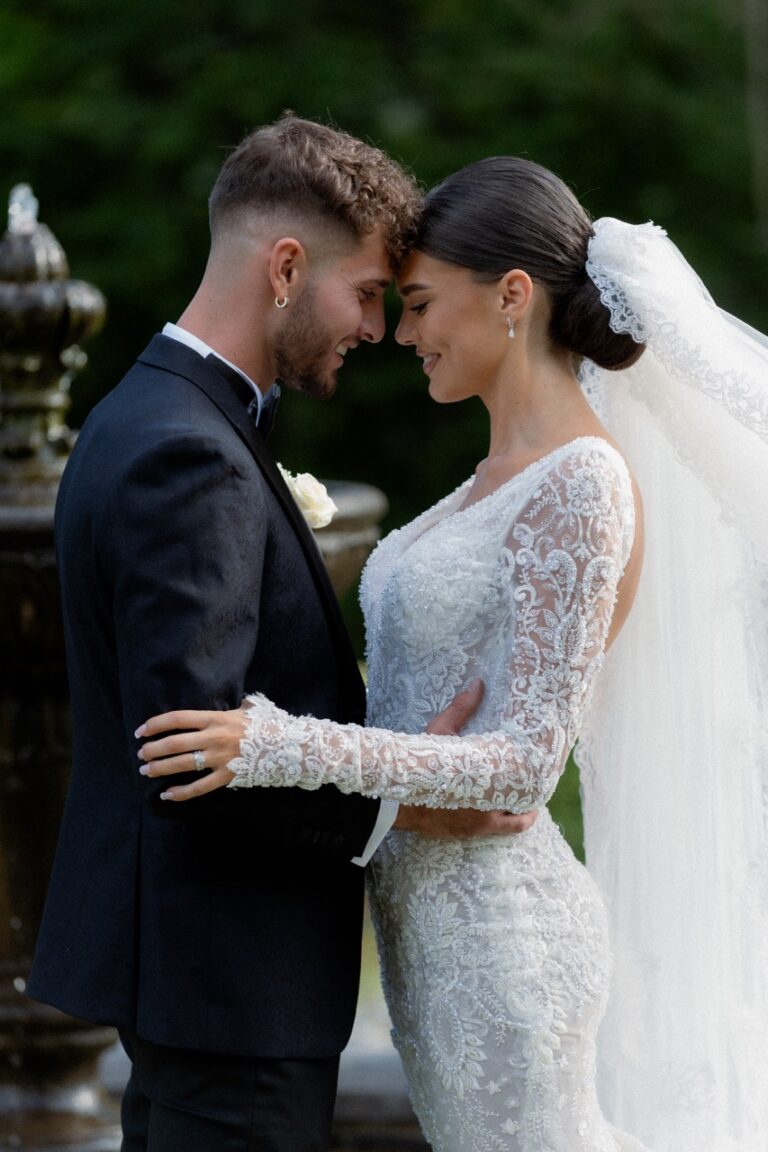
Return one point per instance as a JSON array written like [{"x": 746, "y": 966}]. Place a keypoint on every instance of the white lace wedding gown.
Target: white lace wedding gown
[{"x": 494, "y": 951}]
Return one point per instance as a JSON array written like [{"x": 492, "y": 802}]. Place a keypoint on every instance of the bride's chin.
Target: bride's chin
[
  {"x": 446, "y": 395},
  {"x": 439, "y": 394}
]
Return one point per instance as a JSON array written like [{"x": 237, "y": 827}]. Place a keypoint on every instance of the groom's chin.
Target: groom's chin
[{"x": 318, "y": 387}]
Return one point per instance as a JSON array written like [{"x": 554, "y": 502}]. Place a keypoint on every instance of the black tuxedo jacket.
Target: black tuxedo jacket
[{"x": 230, "y": 923}]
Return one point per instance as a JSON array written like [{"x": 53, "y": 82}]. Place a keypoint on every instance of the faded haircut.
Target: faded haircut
[{"x": 318, "y": 172}]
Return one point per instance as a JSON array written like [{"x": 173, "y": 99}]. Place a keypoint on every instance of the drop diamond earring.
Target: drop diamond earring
[{"x": 511, "y": 332}]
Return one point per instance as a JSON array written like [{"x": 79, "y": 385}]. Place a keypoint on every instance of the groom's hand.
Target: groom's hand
[
  {"x": 459, "y": 712},
  {"x": 459, "y": 823}
]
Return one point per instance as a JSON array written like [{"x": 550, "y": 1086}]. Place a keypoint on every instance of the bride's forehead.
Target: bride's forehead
[
  {"x": 419, "y": 268},
  {"x": 409, "y": 269}
]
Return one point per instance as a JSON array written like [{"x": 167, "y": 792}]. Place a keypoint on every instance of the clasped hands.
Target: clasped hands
[{"x": 211, "y": 740}]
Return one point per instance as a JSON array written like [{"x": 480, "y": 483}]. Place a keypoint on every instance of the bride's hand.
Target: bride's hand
[{"x": 208, "y": 742}]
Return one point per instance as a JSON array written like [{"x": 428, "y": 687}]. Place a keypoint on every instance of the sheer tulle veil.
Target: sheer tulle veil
[{"x": 674, "y": 753}]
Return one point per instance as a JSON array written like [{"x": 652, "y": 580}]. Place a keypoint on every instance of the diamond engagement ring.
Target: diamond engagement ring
[{"x": 199, "y": 759}]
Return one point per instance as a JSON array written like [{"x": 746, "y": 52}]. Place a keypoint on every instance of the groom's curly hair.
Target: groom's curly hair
[{"x": 318, "y": 171}]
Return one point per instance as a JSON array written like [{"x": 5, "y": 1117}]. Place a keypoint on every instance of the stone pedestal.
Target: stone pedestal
[{"x": 352, "y": 534}]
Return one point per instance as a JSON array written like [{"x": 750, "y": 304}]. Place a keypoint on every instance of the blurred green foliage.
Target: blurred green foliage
[
  {"x": 565, "y": 807},
  {"x": 120, "y": 112}
]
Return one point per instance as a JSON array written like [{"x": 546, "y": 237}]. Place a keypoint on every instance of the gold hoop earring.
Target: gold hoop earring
[{"x": 281, "y": 303}]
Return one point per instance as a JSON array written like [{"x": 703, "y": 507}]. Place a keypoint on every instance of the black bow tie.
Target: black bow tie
[
  {"x": 262, "y": 419},
  {"x": 269, "y": 403}
]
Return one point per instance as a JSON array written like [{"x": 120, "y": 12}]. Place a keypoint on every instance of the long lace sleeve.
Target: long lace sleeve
[{"x": 561, "y": 563}]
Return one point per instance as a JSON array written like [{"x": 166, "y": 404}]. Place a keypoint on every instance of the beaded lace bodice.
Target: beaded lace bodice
[{"x": 517, "y": 588}]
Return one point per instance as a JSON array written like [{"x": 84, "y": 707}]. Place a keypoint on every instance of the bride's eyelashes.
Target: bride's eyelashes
[{"x": 419, "y": 309}]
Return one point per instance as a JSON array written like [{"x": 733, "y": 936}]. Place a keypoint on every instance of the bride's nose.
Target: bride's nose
[{"x": 404, "y": 332}]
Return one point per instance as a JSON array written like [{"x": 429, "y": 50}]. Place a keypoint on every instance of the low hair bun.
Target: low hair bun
[{"x": 581, "y": 322}]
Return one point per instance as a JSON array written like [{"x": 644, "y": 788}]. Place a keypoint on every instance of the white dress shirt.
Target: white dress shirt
[
  {"x": 387, "y": 808},
  {"x": 204, "y": 350}
]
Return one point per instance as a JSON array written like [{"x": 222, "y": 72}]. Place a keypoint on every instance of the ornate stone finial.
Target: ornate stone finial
[
  {"x": 22, "y": 210},
  {"x": 44, "y": 317}
]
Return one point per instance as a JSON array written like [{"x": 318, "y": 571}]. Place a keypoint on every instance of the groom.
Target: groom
[{"x": 223, "y": 938}]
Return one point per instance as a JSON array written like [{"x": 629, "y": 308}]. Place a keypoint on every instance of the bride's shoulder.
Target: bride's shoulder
[
  {"x": 586, "y": 477},
  {"x": 593, "y": 482},
  {"x": 588, "y": 459}
]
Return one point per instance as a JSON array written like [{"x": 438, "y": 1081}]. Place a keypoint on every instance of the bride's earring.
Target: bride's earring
[
  {"x": 511, "y": 332},
  {"x": 281, "y": 303}
]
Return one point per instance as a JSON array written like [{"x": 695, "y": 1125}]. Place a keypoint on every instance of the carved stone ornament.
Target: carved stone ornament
[{"x": 44, "y": 318}]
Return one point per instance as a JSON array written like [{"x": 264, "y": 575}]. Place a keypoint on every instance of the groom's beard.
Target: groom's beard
[{"x": 303, "y": 350}]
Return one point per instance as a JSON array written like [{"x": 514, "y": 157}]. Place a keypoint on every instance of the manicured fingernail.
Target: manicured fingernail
[
  {"x": 166, "y": 795},
  {"x": 140, "y": 731},
  {"x": 140, "y": 754},
  {"x": 144, "y": 770}
]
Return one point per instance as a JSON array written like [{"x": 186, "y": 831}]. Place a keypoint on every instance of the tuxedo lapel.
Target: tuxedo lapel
[{"x": 171, "y": 356}]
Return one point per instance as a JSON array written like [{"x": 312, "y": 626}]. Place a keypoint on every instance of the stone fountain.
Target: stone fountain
[{"x": 50, "y": 1095}]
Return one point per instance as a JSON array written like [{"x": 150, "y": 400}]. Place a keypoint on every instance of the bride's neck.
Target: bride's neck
[{"x": 536, "y": 412}]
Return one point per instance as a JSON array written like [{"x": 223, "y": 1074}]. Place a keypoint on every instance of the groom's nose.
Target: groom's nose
[{"x": 374, "y": 321}]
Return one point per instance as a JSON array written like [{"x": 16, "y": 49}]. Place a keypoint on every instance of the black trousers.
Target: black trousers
[{"x": 181, "y": 1101}]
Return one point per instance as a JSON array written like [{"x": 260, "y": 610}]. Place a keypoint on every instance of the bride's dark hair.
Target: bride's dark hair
[{"x": 504, "y": 213}]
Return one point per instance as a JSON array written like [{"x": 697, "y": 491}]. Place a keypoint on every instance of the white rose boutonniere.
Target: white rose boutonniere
[{"x": 311, "y": 496}]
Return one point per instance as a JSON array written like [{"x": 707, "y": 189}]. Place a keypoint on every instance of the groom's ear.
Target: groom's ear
[{"x": 288, "y": 267}]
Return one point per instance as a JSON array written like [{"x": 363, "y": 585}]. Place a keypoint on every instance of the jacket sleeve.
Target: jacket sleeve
[{"x": 186, "y": 531}]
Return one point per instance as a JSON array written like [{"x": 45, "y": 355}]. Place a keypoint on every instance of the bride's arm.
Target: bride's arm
[{"x": 562, "y": 565}]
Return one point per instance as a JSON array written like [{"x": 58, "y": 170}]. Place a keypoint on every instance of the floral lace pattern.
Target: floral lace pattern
[
  {"x": 494, "y": 953},
  {"x": 538, "y": 602}
]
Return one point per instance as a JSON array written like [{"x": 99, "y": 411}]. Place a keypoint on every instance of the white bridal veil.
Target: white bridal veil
[{"x": 674, "y": 754}]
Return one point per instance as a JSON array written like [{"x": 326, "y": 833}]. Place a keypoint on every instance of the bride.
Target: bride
[{"x": 497, "y": 954}]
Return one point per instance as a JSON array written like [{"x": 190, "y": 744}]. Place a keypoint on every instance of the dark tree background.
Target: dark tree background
[{"x": 119, "y": 112}]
